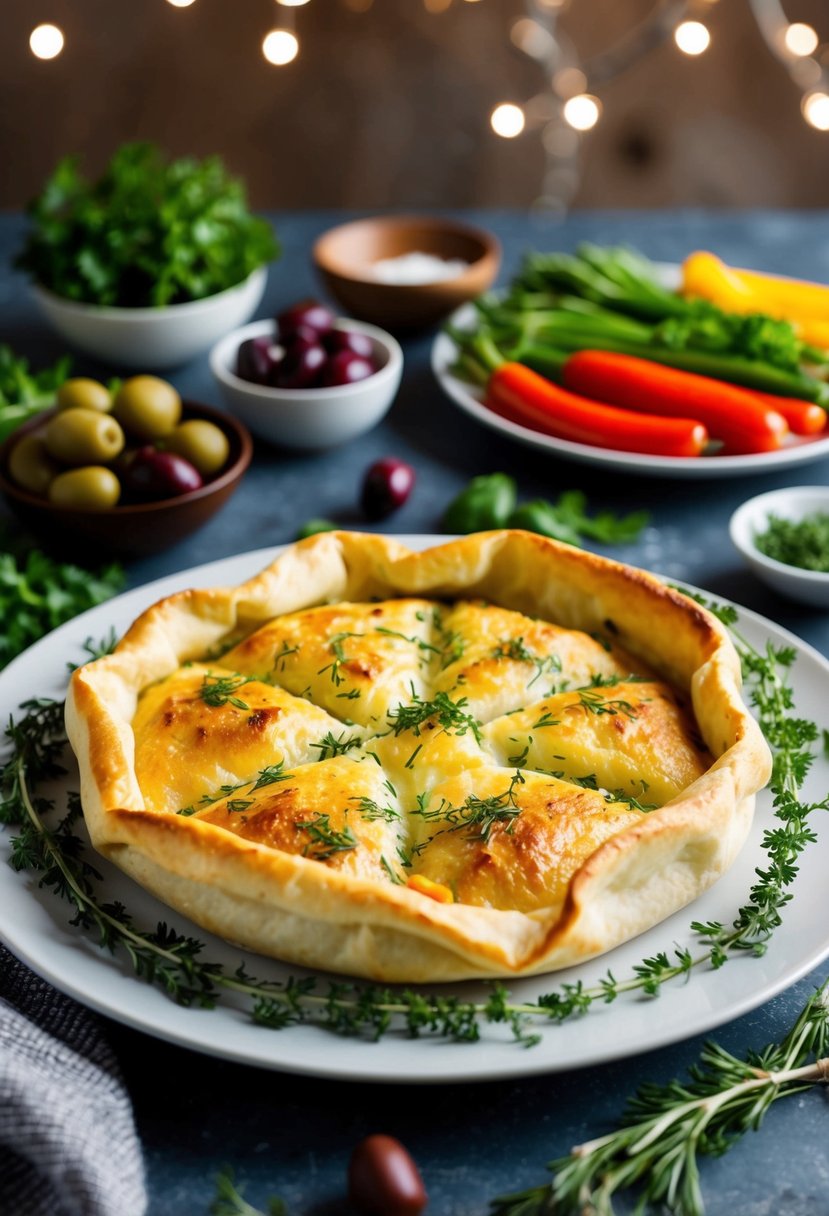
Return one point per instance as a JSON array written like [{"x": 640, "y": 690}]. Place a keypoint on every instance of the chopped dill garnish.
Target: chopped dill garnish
[
  {"x": 236, "y": 805},
  {"x": 803, "y": 543},
  {"x": 514, "y": 648},
  {"x": 216, "y": 691},
  {"x": 396, "y": 878},
  {"x": 450, "y": 714},
  {"x": 269, "y": 775},
  {"x": 370, "y": 810},
  {"x": 328, "y": 746},
  {"x": 325, "y": 841},
  {"x": 479, "y": 815},
  {"x": 335, "y": 645}
]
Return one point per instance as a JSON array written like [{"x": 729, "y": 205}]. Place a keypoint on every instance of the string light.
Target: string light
[
  {"x": 181, "y": 3},
  {"x": 507, "y": 120},
  {"x": 582, "y": 112},
  {"x": 800, "y": 39},
  {"x": 815, "y": 107},
  {"x": 291, "y": 3},
  {"x": 692, "y": 37},
  {"x": 46, "y": 41},
  {"x": 280, "y": 47}
]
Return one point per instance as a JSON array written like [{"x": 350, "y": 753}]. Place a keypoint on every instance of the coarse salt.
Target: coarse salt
[{"x": 410, "y": 269}]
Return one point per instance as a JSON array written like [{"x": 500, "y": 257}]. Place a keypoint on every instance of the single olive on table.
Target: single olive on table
[
  {"x": 102, "y": 448},
  {"x": 309, "y": 348}
]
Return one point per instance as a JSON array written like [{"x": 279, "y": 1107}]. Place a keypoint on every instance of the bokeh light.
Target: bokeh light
[
  {"x": 280, "y": 47},
  {"x": 800, "y": 38},
  {"x": 692, "y": 37},
  {"x": 507, "y": 120},
  {"x": 46, "y": 41},
  {"x": 582, "y": 112},
  {"x": 815, "y": 107}
]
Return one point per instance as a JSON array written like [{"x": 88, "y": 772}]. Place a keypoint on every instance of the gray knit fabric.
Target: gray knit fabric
[{"x": 68, "y": 1145}]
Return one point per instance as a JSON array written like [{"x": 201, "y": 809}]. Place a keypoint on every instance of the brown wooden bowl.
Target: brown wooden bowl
[
  {"x": 343, "y": 257},
  {"x": 135, "y": 529}
]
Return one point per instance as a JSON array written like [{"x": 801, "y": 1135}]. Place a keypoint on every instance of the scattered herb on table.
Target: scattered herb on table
[
  {"x": 37, "y": 594},
  {"x": 491, "y": 501},
  {"x": 147, "y": 233},
  {"x": 24, "y": 393},
  {"x": 229, "y": 1200},
  {"x": 803, "y": 542}
]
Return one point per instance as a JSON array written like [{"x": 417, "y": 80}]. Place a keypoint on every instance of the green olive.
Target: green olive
[
  {"x": 30, "y": 465},
  {"x": 147, "y": 407},
  {"x": 203, "y": 443},
  {"x": 79, "y": 437},
  {"x": 92, "y": 488},
  {"x": 82, "y": 394}
]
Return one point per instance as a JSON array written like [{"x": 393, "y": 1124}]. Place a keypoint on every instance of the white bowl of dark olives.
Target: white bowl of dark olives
[
  {"x": 130, "y": 472},
  {"x": 308, "y": 379}
]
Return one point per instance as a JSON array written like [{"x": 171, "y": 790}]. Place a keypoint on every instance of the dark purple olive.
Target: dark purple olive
[
  {"x": 383, "y": 1179},
  {"x": 308, "y": 313},
  {"x": 152, "y": 474},
  {"x": 257, "y": 360},
  {"x": 301, "y": 365},
  {"x": 350, "y": 339},
  {"x": 346, "y": 368},
  {"x": 386, "y": 486}
]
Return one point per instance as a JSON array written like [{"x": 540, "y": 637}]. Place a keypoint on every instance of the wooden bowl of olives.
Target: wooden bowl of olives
[{"x": 127, "y": 473}]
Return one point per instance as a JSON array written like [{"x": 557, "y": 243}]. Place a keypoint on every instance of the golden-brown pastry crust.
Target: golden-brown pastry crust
[{"x": 555, "y": 740}]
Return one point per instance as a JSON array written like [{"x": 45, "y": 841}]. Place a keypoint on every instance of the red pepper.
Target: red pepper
[
  {"x": 803, "y": 417},
  {"x": 737, "y": 416},
  {"x": 520, "y": 394}
]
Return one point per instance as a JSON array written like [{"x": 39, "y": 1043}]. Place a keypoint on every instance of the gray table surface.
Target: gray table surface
[{"x": 293, "y": 1135}]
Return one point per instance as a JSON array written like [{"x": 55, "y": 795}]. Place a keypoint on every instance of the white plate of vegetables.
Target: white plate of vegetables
[{"x": 595, "y": 357}]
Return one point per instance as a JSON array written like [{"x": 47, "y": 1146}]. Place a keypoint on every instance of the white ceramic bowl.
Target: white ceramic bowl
[
  {"x": 309, "y": 418},
  {"x": 151, "y": 338},
  {"x": 751, "y": 519}
]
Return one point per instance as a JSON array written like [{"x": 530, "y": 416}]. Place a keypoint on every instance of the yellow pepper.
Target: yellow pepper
[{"x": 805, "y": 305}]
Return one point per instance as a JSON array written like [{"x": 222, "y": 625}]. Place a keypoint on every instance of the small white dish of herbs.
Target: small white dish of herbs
[
  {"x": 182, "y": 985},
  {"x": 784, "y": 537}
]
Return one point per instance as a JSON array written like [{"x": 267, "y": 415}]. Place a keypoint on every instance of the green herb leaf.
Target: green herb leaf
[{"x": 147, "y": 233}]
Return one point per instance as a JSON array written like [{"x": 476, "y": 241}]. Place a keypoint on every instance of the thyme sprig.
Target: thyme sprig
[{"x": 666, "y": 1128}]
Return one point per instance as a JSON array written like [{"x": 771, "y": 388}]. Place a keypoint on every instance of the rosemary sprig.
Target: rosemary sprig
[{"x": 667, "y": 1127}]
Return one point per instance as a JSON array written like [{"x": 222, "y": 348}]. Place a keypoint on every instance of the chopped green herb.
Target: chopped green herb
[
  {"x": 24, "y": 394},
  {"x": 324, "y": 841},
  {"x": 514, "y": 648},
  {"x": 450, "y": 714},
  {"x": 147, "y": 233},
  {"x": 370, "y": 810},
  {"x": 396, "y": 878},
  {"x": 37, "y": 594},
  {"x": 328, "y": 746},
  {"x": 216, "y": 691},
  {"x": 803, "y": 543},
  {"x": 269, "y": 775}
]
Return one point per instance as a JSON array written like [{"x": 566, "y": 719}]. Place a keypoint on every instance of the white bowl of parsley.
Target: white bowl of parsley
[
  {"x": 147, "y": 266},
  {"x": 784, "y": 537}
]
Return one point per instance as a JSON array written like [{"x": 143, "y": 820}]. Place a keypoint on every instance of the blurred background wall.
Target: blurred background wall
[{"x": 388, "y": 103}]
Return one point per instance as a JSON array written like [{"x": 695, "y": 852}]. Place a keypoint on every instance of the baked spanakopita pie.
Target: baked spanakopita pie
[{"x": 496, "y": 757}]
